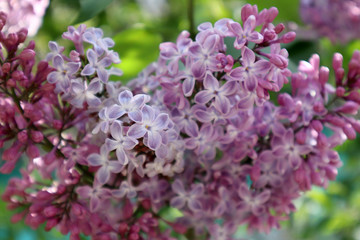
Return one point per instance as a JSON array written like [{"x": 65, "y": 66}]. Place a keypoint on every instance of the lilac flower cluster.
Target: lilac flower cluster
[
  {"x": 84, "y": 121},
  {"x": 335, "y": 19},
  {"x": 23, "y": 14},
  {"x": 246, "y": 158},
  {"x": 195, "y": 131}
]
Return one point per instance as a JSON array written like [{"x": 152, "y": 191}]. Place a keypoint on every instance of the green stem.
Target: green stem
[{"x": 191, "y": 18}]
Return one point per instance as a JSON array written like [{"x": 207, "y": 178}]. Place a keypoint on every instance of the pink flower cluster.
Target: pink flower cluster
[
  {"x": 335, "y": 19},
  {"x": 196, "y": 131}
]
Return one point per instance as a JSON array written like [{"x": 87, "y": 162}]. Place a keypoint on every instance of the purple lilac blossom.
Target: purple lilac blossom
[{"x": 173, "y": 146}]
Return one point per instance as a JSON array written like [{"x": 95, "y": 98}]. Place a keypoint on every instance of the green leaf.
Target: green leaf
[
  {"x": 90, "y": 8},
  {"x": 137, "y": 48}
]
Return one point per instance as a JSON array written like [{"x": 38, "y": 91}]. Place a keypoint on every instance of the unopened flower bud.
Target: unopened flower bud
[
  {"x": 23, "y": 136},
  {"x": 279, "y": 28},
  {"x": 340, "y": 91},
  {"x": 22, "y": 34},
  {"x": 6, "y": 67},
  {"x": 57, "y": 124},
  {"x": 324, "y": 75},
  {"x": 288, "y": 37},
  {"x": 27, "y": 55},
  {"x": 349, "y": 107},
  {"x": 51, "y": 211},
  {"x": 337, "y": 61},
  {"x": 11, "y": 83},
  {"x": 317, "y": 125},
  {"x": 301, "y": 136},
  {"x": 349, "y": 131},
  {"x": 133, "y": 236},
  {"x": 36, "y": 136},
  {"x": 51, "y": 223},
  {"x": 32, "y": 151},
  {"x": 123, "y": 228},
  {"x": 17, "y": 217}
]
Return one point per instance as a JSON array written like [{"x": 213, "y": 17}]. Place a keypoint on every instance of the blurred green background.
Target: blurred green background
[{"x": 138, "y": 27}]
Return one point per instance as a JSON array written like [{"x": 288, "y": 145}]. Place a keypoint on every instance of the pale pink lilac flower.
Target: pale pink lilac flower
[
  {"x": 121, "y": 142},
  {"x": 106, "y": 166},
  {"x": 63, "y": 75},
  {"x": 151, "y": 126},
  {"x": 184, "y": 198},
  {"x": 85, "y": 93}
]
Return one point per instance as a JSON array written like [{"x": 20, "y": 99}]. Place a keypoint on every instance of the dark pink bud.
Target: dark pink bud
[
  {"x": 319, "y": 107},
  {"x": 356, "y": 125},
  {"x": 340, "y": 91},
  {"x": 6, "y": 67},
  {"x": 135, "y": 228},
  {"x": 317, "y": 125},
  {"x": 331, "y": 172},
  {"x": 322, "y": 140},
  {"x": 44, "y": 195},
  {"x": 324, "y": 75},
  {"x": 32, "y": 151},
  {"x": 77, "y": 209},
  {"x": 337, "y": 61},
  {"x": 354, "y": 96},
  {"x": 51, "y": 211},
  {"x": 349, "y": 131},
  {"x": 284, "y": 99},
  {"x": 269, "y": 35},
  {"x": 51, "y": 223},
  {"x": 349, "y": 107},
  {"x": 316, "y": 178},
  {"x": 22, "y": 136},
  {"x": 13, "y": 153},
  {"x": 17, "y": 217},
  {"x": 36, "y": 136},
  {"x": 335, "y": 121},
  {"x": 279, "y": 28},
  {"x": 61, "y": 189},
  {"x": 133, "y": 236},
  {"x": 31, "y": 45},
  {"x": 146, "y": 203},
  {"x": 11, "y": 40},
  {"x": 11, "y": 83},
  {"x": 272, "y": 13},
  {"x": 288, "y": 37},
  {"x": 8, "y": 167},
  {"x": 22, "y": 34},
  {"x": 18, "y": 75},
  {"x": 74, "y": 236},
  {"x": 248, "y": 10},
  {"x": 279, "y": 61},
  {"x": 301, "y": 136},
  {"x": 123, "y": 228},
  {"x": 27, "y": 55},
  {"x": 299, "y": 175},
  {"x": 36, "y": 207},
  {"x": 339, "y": 75},
  {"x": 255, "y": 172}
]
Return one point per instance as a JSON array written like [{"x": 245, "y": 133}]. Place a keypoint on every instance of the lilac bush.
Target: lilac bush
[{"x": 195, "y": 131}]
